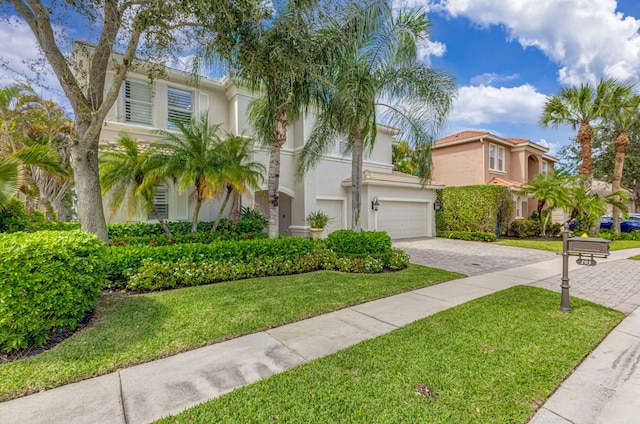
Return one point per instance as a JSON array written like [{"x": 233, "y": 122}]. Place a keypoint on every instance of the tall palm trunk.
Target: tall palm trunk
[
  {"x": 221, "y": 211},
  {"x": 196, "y": 212},
  {"x": 273, "y": 181},
  {"x": 356, "y": 182},
  {"x": 585, "y": 135},
  {"x": 620, "y": 145}
]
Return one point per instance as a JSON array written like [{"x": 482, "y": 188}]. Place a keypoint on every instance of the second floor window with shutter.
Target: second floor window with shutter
[
  {"x": 545, "y": 168},
  {"x": 138, "y": 103},
  {"x": 179, "y": 106}
]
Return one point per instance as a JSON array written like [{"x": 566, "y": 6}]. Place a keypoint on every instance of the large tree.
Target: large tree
[
  {"x": 146, "y": 29},
  {"x": 621, "y": 118},
  {"x": 579, "y": 107},
  {"x": 378, "y": 75}
]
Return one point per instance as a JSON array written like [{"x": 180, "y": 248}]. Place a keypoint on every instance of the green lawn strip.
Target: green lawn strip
[
  {"x": 556, "y": 246},
  {"x": 492, "y": 360},
  {"x": 140, "y": 328}
]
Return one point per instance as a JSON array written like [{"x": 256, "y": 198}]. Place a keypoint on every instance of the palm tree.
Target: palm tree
[
  {"x": 10, "y": 180},
  {"x": 380, "y": 71},
  {"x": 238, "y": 173},
  {"x": 621, "y": 118},
  {"x": 579, "y": 107},
  {"x": 282, "y": 63},
  {"x": 550, "y": 190},
  {"x": 192, "y": 155},
  {"x": 124, "y": 176}
]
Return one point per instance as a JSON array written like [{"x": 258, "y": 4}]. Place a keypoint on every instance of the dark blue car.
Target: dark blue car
[{"x": 629, "y": 225}]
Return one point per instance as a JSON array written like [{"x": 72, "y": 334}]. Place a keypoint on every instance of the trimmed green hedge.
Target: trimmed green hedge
[
  {"x": 467, "y": 235},
  {"x": 476, "y": 208},
  {"x": 50, "y": 280},
  {"x": 122, "y": 261},
  {"x": 526, "y": 228},
  {"x": 348, "y": 242}
]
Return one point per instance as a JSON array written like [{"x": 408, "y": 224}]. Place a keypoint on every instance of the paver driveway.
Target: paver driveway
[{"x": 469, "y": 257}]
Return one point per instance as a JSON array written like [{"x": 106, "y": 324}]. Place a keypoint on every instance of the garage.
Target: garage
[
  {"x": 403, "y": 219},
  {"x": 333, "y": 208}
]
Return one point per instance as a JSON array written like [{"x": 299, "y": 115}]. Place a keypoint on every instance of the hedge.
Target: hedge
[
  {"x": 348, "y": 242},
  {"x": 467, "y": 235},
  {"x": 476, "y": 208},
  {"x": 51, "y": 279},
  {"x": 122, "y": 261}
]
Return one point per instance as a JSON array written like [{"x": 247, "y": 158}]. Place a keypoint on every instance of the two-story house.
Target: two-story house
[
  {"x": 479, "y": 157},
  {"x": 404, "y": 207}
]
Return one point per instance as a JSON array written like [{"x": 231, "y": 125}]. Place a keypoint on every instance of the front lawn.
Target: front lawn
[
  {"x": 492, "y": 360},
  {"x": 556, "y": 246},
  {"x": 132, "y": 329}
]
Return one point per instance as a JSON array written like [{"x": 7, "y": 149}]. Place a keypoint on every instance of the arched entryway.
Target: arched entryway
[{"x": 284, "y": 215}]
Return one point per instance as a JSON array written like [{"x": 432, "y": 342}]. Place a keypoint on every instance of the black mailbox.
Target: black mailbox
[{"x": 593, "y": 246}]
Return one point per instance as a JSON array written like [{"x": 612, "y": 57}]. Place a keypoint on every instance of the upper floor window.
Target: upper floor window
[
  {"x": 343, "y": 148},
  {"x": 179, "y": 106},
  {"x": 544, "y": 167},
  {"x": 519, "y": 207},
  {"x": 496, "y": 157},
  {"x": 138, "y": 103}
]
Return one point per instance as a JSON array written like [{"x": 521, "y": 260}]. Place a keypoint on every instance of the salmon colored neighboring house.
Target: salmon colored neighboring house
[{"x": 479, "y": 157}]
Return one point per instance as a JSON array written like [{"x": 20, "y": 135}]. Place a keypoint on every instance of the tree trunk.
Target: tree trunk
[
  {"x": 585, "y": 135},
  {"x": 163, "y": 224},
  {"x": 620, "y": 145},
  {"x": 273, "y": 180},
  {"x": 224, "y": 205},
  {"x": 356, "y": 182},
  {"x": 84, "y": 161}
]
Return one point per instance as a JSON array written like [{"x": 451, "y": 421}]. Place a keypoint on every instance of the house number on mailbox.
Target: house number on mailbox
[{"x": 586, "y": 261}]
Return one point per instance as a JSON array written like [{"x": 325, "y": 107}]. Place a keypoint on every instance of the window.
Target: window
[
  {"x": 180, "y": 106},
  {"x": 519, "y": 207},
  {"x": 344, "y": 147},
  {"x": 544, "y": 167},
  {"x": 138, "y": 104},
  {"x": 161, "y": 203},
  {"x": 496, "y": 157}
]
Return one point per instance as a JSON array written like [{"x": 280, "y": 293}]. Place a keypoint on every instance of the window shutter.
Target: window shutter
[
  {"x": 138, "y": 103},
  {"x": 179, "y": 105}
]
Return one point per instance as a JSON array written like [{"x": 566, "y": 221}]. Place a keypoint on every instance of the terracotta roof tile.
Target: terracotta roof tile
[
  {"x": 461, "y": 136},
  {"x": 503, "y": 182},
  {"x": 394, "y": 177},
  {"x": 518, "y": 140}
]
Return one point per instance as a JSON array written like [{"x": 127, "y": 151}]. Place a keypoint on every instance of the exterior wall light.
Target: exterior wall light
[
  {"x": 375, "y": 204},
  {"x": 437, "y": 205}
]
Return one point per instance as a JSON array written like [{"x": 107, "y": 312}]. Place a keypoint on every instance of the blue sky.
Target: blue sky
[{"x": 507, "y": 56}]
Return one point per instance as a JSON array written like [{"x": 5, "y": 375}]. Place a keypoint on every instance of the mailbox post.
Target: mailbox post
[{"x": 590, "y": 247}]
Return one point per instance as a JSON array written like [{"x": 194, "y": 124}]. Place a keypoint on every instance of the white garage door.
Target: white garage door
[
  {"x": 403, "y": 219},
  {"x": 333, "y": 208}
]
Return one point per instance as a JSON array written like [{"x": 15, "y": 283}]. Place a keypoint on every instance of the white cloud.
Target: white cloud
[
  {"x": 588, "y": 39},
  {"x": 488, "y": 78},
  {"x": 22, "y": 62},
  {"x": 431, "y": 48},
  {"x": 480, "y": 105}
]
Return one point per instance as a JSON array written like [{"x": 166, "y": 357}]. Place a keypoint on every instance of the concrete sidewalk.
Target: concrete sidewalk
[{"x": 150, "y": 391}]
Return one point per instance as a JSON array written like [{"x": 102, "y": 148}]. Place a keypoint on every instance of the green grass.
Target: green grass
[
  {"x": 136, "y": 329},
  {"x": 492, "y": 360},
  {"x": 556, "y": 246}
]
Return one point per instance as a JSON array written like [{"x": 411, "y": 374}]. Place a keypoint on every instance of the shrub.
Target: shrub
[
  {"x": 468, "y": 235},
  {"x": 348, "y": 242},
  {"x": 526, "y": 228},
  {"x": 610, "y": 235},
  {"x": 477, "y": 208},
  {"x": 51, "y": 280},
  {"x": 398, "y": 259},
  {"x": 121, "y": 261},
  {"x": 14, "y": 217}
]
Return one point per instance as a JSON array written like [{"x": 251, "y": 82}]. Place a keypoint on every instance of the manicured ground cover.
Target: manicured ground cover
[
  {"x": 556, "y": 246},
  {"x": 136, "y": 329},
  {"x": 492, "y": 360}
]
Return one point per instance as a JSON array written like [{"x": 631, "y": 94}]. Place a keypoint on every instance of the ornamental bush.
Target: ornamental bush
[
  {"x": 50, "y": 280},
  {"x": 477, "y": 208},
  {"x": 348, "y": 242},
  {"x": 123, "y": 261},
  {"x": 468, "y": 235},
  {"x": 526, "y": 228}
]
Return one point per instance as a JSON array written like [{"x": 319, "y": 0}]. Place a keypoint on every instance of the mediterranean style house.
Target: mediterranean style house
[
  {"x": 404, "y": 207},
  {"x": 479, "y": 157}
]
